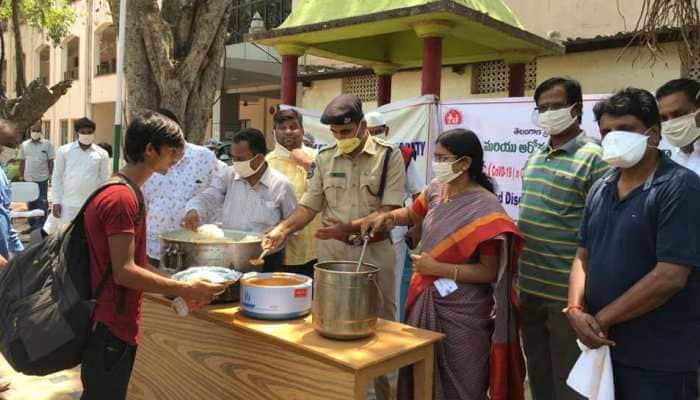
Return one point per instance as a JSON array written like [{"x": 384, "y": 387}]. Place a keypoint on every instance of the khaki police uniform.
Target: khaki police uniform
[{"x": 341, "y": 187}]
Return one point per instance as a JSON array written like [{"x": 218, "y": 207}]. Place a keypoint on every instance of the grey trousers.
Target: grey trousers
[{"x": 550, "y": 348}]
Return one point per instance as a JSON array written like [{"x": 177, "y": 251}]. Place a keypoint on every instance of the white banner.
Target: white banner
[
  {"x": 506, "y": 131},
  {"x": 411, "y": 123},
  {"x": 504, "y": 126}
]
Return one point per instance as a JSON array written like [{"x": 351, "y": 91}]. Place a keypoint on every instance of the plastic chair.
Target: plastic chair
[{"x": 25, "y": 192}]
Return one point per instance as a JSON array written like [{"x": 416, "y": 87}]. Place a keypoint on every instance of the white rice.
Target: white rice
[{"x": 210, "y": 231}]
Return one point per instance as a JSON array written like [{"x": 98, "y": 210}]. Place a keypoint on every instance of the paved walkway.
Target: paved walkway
[{"x": 64, "y": 385}]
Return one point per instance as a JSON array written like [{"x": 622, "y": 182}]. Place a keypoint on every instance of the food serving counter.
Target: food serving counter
[{"x": 217, "y": 353}]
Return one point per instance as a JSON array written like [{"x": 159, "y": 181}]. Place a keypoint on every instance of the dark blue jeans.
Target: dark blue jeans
[
  {"x": 42, "y": 203},
  {"x": 639, "y": 384}
]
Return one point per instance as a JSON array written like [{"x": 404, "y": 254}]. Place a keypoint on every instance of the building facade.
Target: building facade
[
  {"x": 593, "y": 31},
  {"x": 87, "y": 56}
]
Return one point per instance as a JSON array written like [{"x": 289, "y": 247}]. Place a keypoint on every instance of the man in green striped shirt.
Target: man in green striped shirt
[{"x": 556, "y": 180}]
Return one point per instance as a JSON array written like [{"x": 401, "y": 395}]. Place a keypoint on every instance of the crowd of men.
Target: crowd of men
[{"x": 612, "y": 229}]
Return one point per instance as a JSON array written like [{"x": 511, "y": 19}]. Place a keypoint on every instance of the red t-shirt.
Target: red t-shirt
[{"x": 113, "y": 212}]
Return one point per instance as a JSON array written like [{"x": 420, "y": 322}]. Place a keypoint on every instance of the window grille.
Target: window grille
[
  {"x": 492, "y": 77},
  {"x": 692, "y": 71},
  {"x": 362, "y": 86}
]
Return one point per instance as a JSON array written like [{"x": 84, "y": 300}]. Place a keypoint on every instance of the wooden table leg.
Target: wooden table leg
[
  {"x": 423, "y": 376},
  {"x": 361, "y": 382}
]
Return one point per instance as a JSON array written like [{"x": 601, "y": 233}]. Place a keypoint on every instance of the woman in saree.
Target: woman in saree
[{"x": 462, "y": 284}]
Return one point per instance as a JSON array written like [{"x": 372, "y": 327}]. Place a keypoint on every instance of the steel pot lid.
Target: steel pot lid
[{"x": 230, "y": 236}]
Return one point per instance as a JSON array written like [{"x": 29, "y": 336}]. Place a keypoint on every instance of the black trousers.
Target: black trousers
[
  {"x": 303, "y": 269},
  {"x": 274, "y": 262},
  {"x": 639, "y": 384},
  {"x": 550, "y": 348},
  {"x": 106, "y": 366}
]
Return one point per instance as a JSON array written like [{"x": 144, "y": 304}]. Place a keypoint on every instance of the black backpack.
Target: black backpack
[{"x": 46, "y": 300}]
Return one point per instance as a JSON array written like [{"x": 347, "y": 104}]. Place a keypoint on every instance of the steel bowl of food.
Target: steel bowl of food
[{"x": 209, "y": 245}]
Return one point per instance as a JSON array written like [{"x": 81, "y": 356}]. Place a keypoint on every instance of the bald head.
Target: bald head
[{"x": 8, "y": 133}]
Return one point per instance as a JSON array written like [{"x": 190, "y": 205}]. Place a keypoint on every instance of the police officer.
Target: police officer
[{"x": 347, "y": 182}]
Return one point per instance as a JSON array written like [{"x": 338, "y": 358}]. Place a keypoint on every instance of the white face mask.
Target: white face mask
[
  {"x": 243, "y": 168},
  {"x": 554, "y": 122},
  {"x": 36, "y": 135},
  {"x": 443, "y": 171},
  {"x": 86, "y": 140},
  {"x": 624, "y": 149},
  {"x": 681, "y": 131}
]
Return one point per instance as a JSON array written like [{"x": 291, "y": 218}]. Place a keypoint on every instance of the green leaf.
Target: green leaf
[{"x": 53, "y": 17}]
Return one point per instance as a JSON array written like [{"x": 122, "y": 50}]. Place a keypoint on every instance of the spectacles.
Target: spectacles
[{"x": 551, "y": 107}]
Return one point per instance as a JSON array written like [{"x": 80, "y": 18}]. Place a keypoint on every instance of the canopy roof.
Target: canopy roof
[{"x": 385, "y": 32}]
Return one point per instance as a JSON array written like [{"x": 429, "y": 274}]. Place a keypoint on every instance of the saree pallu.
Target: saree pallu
[{"x": 480, "y": 358}]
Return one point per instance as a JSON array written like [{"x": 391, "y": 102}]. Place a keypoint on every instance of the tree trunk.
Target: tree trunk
[
  {"x": 174, "y": 57},
  {"x": 20, "y": 82},
  {"x": 2, "y": 58}
]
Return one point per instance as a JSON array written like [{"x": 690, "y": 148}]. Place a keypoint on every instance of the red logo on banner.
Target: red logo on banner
[{"x": 453, "y": 117}]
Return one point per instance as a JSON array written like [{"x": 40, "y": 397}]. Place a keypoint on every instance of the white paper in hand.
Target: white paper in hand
[
  {"x": 445, "y": 286},
  {"x": 592, "y": 375}
]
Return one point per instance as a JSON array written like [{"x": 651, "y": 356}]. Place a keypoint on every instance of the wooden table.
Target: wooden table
[{"x": 217, "y": 353}]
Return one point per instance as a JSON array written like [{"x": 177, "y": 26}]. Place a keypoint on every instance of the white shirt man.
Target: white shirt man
[
  {"x": 251, "y": 196},
  {"x": 377, "y": 126},
  {"x": 37, "y": 155},
  {"x": 679, "y": 107},
  {"x": 166, "y": 196},
  {"x": 80, "y": 168}
]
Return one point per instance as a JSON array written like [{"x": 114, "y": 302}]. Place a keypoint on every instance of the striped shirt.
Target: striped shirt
[{"x": 555, "y": 185}]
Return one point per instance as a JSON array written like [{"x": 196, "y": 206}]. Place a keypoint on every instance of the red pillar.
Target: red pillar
[
  {"x": 289, "y": 79},
  {"x": 432, "y": 65},
  {"x": 383, "y": 90},
  {"x": 516, "y": 80}
]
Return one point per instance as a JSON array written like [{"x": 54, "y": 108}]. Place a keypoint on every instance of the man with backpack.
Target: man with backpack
[{"x": 115, "y": 227}]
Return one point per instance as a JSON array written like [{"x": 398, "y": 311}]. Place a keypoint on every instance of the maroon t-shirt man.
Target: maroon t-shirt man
[{"x": 112, "y": 212}]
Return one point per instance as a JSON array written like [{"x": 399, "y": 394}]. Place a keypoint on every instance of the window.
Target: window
[
  {"x": 362, "y": 86},
  {"x": 65, "y": 131},
  {"x": 43, "y": 67},
  {"x": 106, "y": 56},
  {"x": 268, "y": 14},
  {"x": 71, "y": 59},
  {"x": 493, "y": 77},
  {"x": 245, "y": 123},
  {"x": 46, "y": 129}
]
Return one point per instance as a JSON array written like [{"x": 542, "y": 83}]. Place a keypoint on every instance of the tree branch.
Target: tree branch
[
  {"x": 210, "y": 14},
  {"x": 27, "y": 109}
]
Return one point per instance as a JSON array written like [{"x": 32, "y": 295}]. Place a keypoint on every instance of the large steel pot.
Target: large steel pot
[
  {"x": 183, "y": 248},
  {"x": 345, "y": 304}
]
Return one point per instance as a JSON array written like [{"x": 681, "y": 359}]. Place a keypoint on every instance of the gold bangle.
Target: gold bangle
[{"x": 456, "y": 272}]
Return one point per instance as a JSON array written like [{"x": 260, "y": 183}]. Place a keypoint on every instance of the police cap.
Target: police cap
[{"x": 344, "y": 109}]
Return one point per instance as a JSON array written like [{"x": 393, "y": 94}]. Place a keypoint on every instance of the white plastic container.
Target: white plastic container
[{"x": 276, "y": 296}]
